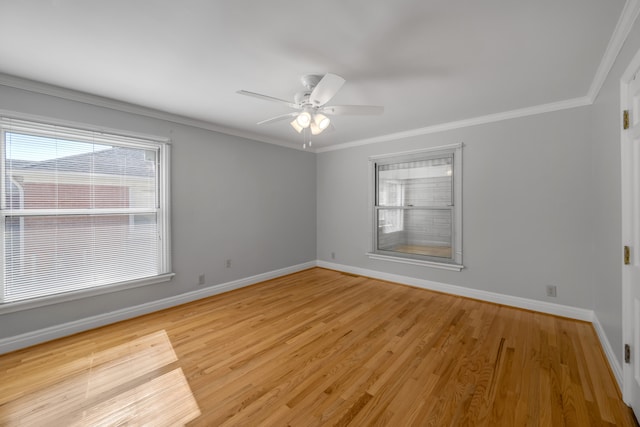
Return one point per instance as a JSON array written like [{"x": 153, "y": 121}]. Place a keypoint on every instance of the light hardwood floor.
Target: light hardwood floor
[{"x": 319, "y": 347}]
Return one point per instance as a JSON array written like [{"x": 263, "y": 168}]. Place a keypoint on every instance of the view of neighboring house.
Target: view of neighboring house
[{"x": 64, "y": 206}]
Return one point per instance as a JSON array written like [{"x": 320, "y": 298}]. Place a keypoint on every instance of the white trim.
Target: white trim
[
  {"x": 522, "y": 112},
  {"x": 454, "y": 151},
  {"x": 447, "y": 147},
  {"x": 99, "y": 101},
  {"x": 626, "y": 222},
  {"x": 47, "y": 334},
  {"x": 628, "y": 74},
  {"x": 423, "y": 263},
  {"x": 10, "y": 307},
  {"x": 85, "y": 134},
  {"x": 628, "y": 208},
  {"x": 35, "y": 120},
  {"x": 623, "y": 27},
  {"x": 625, "y": 23},
  {"x": 164, "y": 180},
  {"x": 64, "y": 93},
  {"x": 616, "y": 368},
  {"x": 512, "y": 301},
  {"x": 82, "y": 211},
  {"x": 36, "y": 337}
]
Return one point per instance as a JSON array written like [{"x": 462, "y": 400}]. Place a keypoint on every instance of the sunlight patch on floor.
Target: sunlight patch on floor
[{"x": 130, "y": 382}]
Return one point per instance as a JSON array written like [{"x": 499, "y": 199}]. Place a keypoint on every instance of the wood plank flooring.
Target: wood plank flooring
[{"x": 319, "y": 348}]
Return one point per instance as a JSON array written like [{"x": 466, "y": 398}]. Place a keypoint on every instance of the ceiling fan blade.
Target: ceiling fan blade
[
  {"x": 363, "y": 110},
  {"x": 267, "y": 98},
  {"x": 326, "y": 88},
  {"x": 277, "y": 118}
]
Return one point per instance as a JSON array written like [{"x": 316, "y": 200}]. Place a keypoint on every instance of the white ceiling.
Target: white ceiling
[{"x": 428, "y": 62}]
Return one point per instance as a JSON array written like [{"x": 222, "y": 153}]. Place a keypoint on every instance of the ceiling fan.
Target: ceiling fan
[{"x": 311, "y": 107}]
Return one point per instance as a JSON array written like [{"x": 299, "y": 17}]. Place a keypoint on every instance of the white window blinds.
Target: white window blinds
[
  {"x": 417, "y": 204},
  {"x": 80, "y": 209}
]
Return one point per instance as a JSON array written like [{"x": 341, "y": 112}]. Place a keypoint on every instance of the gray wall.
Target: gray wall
[
  {"x": 541, "y": 206},
  {"x": 526, "y": 207},
  {"x": 232, "y": 198},
  {"x": 541, "y": 199},
  {"x": 606, "y": 197}
]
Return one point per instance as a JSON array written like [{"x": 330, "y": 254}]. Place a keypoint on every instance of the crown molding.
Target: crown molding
[
  {"x": 628, "y": 16},
  {"x": 113, "y": 104},
  {"x": 490, "y": 118},
  {"x": 625, "y": 23},
  {"x": 620, "y": 33}
]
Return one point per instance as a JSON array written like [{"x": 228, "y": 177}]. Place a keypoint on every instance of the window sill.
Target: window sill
[
  {"x": 433, "y": 264},
  {"x": 10, "y": 307}
]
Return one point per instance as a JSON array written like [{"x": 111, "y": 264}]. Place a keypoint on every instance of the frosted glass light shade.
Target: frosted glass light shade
[
  {"x": 315, "y": 130},
  {"x": 304, "y": 119},
  {"x": 321, "y": 121},
  {"x": 294, "y": 124}
]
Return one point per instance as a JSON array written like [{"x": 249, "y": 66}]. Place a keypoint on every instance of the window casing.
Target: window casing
[
  {"x": 80, "y": 211},
  {"x": 417, "y": 207}
]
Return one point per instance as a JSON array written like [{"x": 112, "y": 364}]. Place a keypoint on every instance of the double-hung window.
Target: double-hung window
[
  {"x": 81, "y": 211},
  {"x": 417, "y": 208}
]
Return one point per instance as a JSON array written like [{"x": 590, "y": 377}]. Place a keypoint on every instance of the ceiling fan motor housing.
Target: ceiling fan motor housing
[
  {"x": 310, "y": 81},
  {"x": 301, "y": 98}
]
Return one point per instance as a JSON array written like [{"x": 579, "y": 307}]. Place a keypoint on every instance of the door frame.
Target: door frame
[{"x": 628, "y": 207}]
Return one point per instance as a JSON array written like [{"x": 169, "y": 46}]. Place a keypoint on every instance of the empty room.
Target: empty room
[{"x": 245, "y": 213}]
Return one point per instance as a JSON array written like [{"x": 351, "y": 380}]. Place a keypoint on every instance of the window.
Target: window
[
  {"x": 417, "y": 207},
  {"x": 80, "y": 210}
]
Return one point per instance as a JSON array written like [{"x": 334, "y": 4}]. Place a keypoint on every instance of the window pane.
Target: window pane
[
  {"x": 390, "y": 220},
  {"x": 50, "y": 173},
  {"x": 425, "y": 232},
  {"x": 416, "y": 183},
  {"x": 81, "y": 209},
  {"x": 51, "y": 254}
]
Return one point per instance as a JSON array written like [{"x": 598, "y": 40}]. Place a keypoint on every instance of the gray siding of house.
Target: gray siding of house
[{"x": 428, "y": 227}]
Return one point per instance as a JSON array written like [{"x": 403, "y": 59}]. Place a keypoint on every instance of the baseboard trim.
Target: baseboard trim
[
  {"x": 525, "y": 303},
  {"x": 65, "y": 329},
  {"x": 529, "y": 304},
  {"x": 47, "y": 334},
  {"x": 616, "y": 368},
  {"x": 512, "y": 301}
]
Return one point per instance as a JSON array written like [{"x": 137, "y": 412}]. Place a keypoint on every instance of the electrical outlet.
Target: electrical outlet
[
  {"x": 552, "y": 291},
  {"x": 333, "y": 255},
  {"x": 201, "y": 279},
  {"x": 228, "y": 263}
]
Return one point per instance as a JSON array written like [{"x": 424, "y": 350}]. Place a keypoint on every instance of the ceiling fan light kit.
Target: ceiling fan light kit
[
  {"x": 304, "y": 119},
  {"x": 311, "y": 103},
  {"x": 317, "y": 124},
  {"x": 294, "y": 124},
  {"x": 315, "y": 130},
  {"x": 321, "y": 121}
]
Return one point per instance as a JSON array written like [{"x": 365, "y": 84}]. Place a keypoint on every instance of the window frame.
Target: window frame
[
  {"x": 84, "y": 133},
  {"x": 455, "y": 152}
]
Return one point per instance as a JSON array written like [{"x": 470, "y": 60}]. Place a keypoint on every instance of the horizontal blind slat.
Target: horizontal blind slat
[
  {"x": 62, "y": 258},
  {"x": 77, "y": 213}
]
